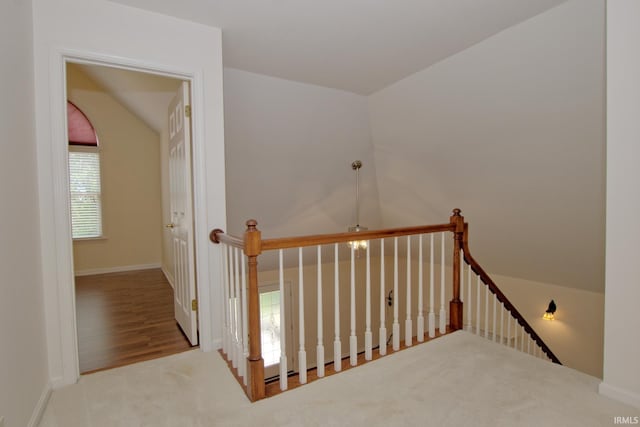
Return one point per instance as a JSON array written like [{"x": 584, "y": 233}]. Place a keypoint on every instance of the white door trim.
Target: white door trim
[{"x": 59, "y": 295}]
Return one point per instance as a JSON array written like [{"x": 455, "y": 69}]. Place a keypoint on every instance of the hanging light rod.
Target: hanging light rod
[{"x": 358, "y": 244}]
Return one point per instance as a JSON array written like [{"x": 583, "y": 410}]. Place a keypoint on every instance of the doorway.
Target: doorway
[{"x": 124, "y": 276}]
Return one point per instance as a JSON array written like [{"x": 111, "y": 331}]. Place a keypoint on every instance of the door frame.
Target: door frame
[{"x": 60, "y": 298}]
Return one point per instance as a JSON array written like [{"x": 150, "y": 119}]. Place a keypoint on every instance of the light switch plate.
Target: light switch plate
[{"x": 1, "y": 421}]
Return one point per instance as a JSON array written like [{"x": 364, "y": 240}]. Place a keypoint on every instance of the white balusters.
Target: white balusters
[
  {"x": 225, "y": 297},
  {"x": 443, "y": 314},
  {"x": 494, "y": 324},
  {"x": 236, "y": 350},
  {"x": 508, "y": 343},
  {"x": 432, "y": 315},
  {"x": 501, "y": 323},
  {"x": 283, "y": 328},
  {"x": 462, "y": 297},
  {"x": 478, "y": 306},
  {"x": 245, "y": 320},
  {"x": 368, "y": 336},
  {"x": 382, "y": 346},
  {"x": 337, "y": 346},
  {"x": 320, "y": 346},
  {"x": 468, "y": 319},
  {"x": 396, "y": 325},
  {"x": 420, "y": 319},
  {"x": 486, "y": 312},
  {"x": 408, "y": 331},
  {"x": 302, "y": 354},
  {"x": 353, "y": 339}
]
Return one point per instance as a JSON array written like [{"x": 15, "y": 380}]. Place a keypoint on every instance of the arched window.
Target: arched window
[{"x": 84, "y": 175}]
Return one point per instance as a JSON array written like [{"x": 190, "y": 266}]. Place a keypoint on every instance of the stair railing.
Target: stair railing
[{"x": 241, "y": 343}]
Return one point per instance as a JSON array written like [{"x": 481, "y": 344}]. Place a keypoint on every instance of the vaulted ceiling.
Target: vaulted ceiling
[
  {"x": 360, "y": 46},
  {"x": 493, "y": 106}
]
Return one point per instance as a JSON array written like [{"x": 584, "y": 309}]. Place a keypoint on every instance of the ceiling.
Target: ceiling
[
  {"x": 359, "y": 46},
  {"x": 145, "y": 95}
]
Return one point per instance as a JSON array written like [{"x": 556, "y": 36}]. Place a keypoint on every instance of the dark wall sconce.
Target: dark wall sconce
[{"x": 551, "y": 310}]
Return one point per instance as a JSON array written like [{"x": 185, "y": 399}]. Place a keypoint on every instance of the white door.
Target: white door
[{"x": 180, "y": 194}]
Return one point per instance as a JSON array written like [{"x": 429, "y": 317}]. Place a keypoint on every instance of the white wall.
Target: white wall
[
  {"x": 622, "y": 317},
  {"x": 289, "y": 148},
  {"x": 511, "y": 131},
  {"x": 576, "y": 334},
  {"x": 23, "y": 363},
  {"x": 105, "y": 32}
]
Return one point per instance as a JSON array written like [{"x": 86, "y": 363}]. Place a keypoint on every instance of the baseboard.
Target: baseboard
[
  {"x": 91, "y": 272},
  {"x": 619, "y": 394},
  {"x": 168, "y": 276},
  {"x": 217, "y": 344},
  {"x": 38, "y": 411}
]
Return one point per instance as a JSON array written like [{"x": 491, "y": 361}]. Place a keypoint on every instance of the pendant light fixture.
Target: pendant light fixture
[{"x": 357, "y": 244}]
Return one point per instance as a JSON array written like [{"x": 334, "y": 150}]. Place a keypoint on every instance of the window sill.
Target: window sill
[{"x": 89, "y": 239}]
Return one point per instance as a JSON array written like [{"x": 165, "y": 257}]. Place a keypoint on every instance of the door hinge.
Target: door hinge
[
  {"x": 194, "y": 305},
  {"x": 187, "y": 110}
]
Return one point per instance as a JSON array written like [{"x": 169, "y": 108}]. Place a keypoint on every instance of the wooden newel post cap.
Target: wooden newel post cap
[
  {"x": 251, "y": 225},
  {"x": 456, "y": 212}
]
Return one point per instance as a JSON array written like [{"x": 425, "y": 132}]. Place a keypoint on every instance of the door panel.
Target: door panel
[{"x": 181, "y": 226}]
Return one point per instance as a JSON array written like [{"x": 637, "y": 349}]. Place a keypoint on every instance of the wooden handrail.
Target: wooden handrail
[
  {"x": 324, "y": 239},
  {"x": 502, "y": 298}
]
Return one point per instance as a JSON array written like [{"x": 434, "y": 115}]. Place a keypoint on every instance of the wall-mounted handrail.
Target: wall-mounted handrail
[{"x": 486, "y": 279}]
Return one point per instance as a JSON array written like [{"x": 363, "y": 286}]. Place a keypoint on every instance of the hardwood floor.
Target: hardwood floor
[{"x": 125, "y": 318}]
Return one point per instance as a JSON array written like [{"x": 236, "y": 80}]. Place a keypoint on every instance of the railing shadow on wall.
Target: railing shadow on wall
[{"x": 488, "y": 312}]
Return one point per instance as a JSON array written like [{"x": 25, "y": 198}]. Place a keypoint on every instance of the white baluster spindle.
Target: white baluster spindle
[
  {"x": 320, "y": 346},
  {"x": 283, "y": 329},
  {"x": 382, "y": 338},
  {"x": 368, "y": 336},
  {"x": 478, "y": 318},
  {"x": 443, "y": 314},
  {"x": 337, "y": 345},
  {"x": 486, "y": 312},
  {"x": 420, "y": 320},
  {"x": 396, "y": 325},
  {"x": 469, "y": 304},
  {"x": 245, "y": 320},
  {"x": 408, "y": 330},
  {"x": 432, "y": 315},
  {"x": 494, "y": 324},
  {"x": 353, "y": 339},
  {"x": 225, "y": 299},
  {"x": 302, "y": 353}
]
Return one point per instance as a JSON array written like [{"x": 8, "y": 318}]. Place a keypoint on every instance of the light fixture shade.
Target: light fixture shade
[
  {"x": 551, "y": 310},
  {"x": 358, "y": 244}
]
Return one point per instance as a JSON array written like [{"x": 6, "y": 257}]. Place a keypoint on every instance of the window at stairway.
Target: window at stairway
[
  {"x": 84, "y": 176},
  {"x": 270, "y": 326}
]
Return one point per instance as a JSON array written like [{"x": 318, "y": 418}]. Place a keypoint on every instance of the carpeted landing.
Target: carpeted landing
[{"x": 456, "y": 380}]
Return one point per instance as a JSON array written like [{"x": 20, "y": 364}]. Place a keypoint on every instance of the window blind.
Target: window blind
[{"x": 86, "y": 205}]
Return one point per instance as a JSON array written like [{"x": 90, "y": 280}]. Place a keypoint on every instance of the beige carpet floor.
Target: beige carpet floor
[{"x": 456, "y": 380}]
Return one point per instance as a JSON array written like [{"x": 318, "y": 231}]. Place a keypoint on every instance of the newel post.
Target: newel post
[
  {"x": 253, "y": 248},
  {"x": 455, "y": 306}
]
